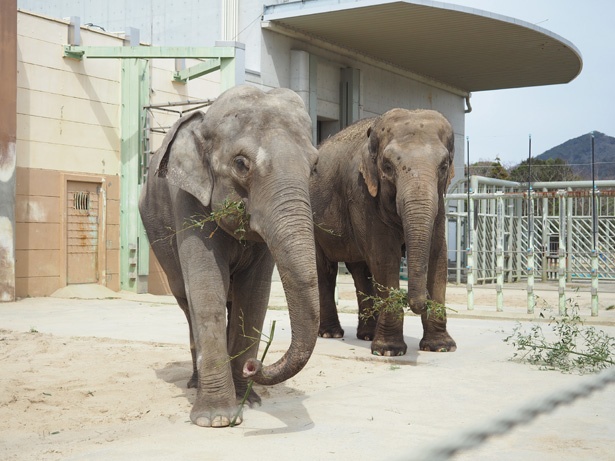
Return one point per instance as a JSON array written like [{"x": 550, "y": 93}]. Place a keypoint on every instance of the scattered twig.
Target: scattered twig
[{"x": 576, "y": 348}]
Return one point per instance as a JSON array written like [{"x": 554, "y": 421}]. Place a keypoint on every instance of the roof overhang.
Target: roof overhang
[{"x": 461, "y": 48}]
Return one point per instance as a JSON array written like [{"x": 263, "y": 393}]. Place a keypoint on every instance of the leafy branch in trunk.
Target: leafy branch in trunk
[
  {"x": 234, "y": 209},
  {"x": 230, "y": 209},
  {"x": 395, "y": 301},
  {"x": 574, "y": 347}
]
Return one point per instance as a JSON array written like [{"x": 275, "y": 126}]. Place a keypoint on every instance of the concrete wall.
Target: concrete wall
[
  {"x": 380, "y": 90},
  {"x": 68, "y": 131}
]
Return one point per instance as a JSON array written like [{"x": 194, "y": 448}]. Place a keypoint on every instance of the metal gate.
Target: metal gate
[
  {"x": 82, "y": 232},
  {"x": 555, "y": 221}
]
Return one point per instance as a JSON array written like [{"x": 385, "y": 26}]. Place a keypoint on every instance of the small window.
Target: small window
[{"x": 81, "y": 201}]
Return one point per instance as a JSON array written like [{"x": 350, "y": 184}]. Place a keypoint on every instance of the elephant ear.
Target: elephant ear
[
  {"x": 450, "y": 146},
  {"x": 182, "y": 159},
  {"x": 369, "y": 165}
]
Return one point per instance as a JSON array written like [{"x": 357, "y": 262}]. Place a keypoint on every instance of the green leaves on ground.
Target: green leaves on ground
[{"x": 570, "y": 346}]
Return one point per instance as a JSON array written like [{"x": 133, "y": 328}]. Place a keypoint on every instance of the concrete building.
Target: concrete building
[{"x": 77, "y": 152}]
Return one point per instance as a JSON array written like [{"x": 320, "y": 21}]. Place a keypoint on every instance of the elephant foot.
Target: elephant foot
[
  {"x": 253, "y": 398},
  {"x": 366, "y": 331},
  {"x": 441, "y": 342},
  {"x": 193, "y": 381},
  {"x": 330, "y": 331},
  {"x": 389, "y": 348},
  {"x": 365, "y": 334},
  {"x": 216, "y": 418}
]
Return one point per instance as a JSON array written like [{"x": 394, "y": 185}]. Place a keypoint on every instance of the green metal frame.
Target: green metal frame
[{"x": 135, "y": 90}]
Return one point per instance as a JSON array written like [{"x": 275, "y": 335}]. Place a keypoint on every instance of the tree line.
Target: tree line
[{"x": 550, "y": 170}]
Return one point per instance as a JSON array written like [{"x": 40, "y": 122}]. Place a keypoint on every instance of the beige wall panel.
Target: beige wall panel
[
  {"x": 113, "y": 212},
  {"x": 38, "y": 236},
  {"x": 55, "y": 106},
  {"x": 157, "y": 282},
  {"x": 113, "y": 237},
  {"x": 41, "y": 27},
  {"x": 113, "y": 267},
  {"x": 36, "y": 286},
  {"x": 113, "y": 282},
  {"x": 45, "y": 183},
  {"x": 113, "y": 187},
  {"x": 67, "y": 133},
  {"x": 49, "y": 55},
  {"x": 175, "y": 91},
  {"x": 33, "y": 209},
  {"x": 68, "y": 83},
  {"x": 37, "y": 263},
  {"x": 67, "y": 158}
]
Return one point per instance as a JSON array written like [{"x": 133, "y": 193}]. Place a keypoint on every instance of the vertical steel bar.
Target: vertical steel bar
[
  {"x": 594, "y": 271},
  {"x": 470, "y": 238},
  {"x": 531, "y": 298},
  {"x": 545, "y": 236},
  {"x": 561, "y": 271},
  {"x": 499, "y": 254}
]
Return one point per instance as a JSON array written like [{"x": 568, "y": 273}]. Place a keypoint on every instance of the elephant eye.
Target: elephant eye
[
  {"x": 444, "y": 168},
  {"x": 241, "y": 165},
  {"x": 387, "y": 167}
]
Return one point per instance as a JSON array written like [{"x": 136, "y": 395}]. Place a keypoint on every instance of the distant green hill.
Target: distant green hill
[{"x": 578, "y": 154}]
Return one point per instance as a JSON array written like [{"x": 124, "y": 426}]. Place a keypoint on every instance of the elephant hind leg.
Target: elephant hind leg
[
  {"x": 194, "y": 379},
  {"x": 361, "y": 275},
  {"x": 329, "y": 321}
]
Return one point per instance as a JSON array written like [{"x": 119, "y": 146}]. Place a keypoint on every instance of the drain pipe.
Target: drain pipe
[{"x": 468, "y": 105}]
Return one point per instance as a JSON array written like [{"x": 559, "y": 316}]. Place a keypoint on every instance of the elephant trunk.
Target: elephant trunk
[
  {"x": 289, "y": 235},
  {"x": 418, "y": 209}
]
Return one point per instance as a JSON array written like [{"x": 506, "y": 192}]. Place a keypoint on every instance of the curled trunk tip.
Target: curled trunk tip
[{"x": 251, "y": 368}]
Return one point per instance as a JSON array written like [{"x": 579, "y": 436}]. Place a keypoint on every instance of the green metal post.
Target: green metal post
[
  {"x": 472, "y": 237},
  {"x": 594, "y": 287},
  {"x": 134, "y": 86},
  {"x": 531, "y": 265},
  {"x": 232, "y": 69},
  {"x": 561, "y": 271}
]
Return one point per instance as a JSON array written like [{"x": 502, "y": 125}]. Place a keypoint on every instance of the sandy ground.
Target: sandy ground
[{"x": 106, "y": 379}]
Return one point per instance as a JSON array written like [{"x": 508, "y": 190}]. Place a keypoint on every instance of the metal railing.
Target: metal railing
[{"x": 502, "y": 231}]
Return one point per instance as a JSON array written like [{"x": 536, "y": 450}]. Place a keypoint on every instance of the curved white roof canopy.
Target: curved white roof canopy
[{"x": 463, "y": 48}]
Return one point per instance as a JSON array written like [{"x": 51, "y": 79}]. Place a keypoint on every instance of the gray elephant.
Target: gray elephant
[
  {"x": 378, "y": 185},
  {"x": 254, "y": 150}
]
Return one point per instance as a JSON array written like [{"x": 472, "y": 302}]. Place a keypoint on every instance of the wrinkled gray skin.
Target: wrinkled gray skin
[
  {"x": 254, "y": 147},
  {"x": 380, "y": 184}
]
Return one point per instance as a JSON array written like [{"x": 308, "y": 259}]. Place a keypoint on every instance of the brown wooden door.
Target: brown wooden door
[{"x": 82, "y": 232}]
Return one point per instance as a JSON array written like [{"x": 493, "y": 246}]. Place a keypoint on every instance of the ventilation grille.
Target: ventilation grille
[{"x": 81, "y": 201}]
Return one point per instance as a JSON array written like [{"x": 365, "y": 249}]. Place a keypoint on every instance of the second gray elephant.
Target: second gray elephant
[
  {"x": 379, "y": 185},
  {"x": 252, "y": 150}
]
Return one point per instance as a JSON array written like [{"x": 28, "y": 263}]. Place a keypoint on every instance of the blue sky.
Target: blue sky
[{"x": 501, "y": 121}]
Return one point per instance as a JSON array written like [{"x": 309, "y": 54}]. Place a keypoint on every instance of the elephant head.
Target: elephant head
[
  {"x": 255, "y": 148},
  {"x": 407, "y": 167}
]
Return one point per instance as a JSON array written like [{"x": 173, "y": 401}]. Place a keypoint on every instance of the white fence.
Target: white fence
[{"x": 502, "y": 231}]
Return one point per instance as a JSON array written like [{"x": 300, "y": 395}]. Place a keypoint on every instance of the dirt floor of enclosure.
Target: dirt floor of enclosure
[{"x": 105, "y": 378}]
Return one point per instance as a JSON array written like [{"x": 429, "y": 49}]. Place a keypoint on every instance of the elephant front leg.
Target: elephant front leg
[
  {"x": 389, "y": 336},
  {"x": 215, "y": 404},
  {"x": 435, "y": 337}
]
